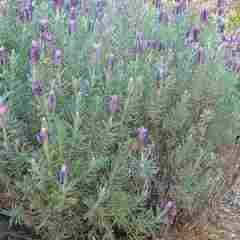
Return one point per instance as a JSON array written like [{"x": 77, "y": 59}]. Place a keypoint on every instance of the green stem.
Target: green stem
[{"x": 5, "y": 137}]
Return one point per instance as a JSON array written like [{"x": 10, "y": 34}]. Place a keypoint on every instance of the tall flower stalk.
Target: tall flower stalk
[{"x": 3, "y": 122}]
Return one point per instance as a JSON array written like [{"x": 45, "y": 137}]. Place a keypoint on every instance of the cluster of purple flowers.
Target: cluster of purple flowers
[
  {"x": 110, "y": 61},
  {"x": 36, "y": 88},
  {"x": 42, "y": 136},
  {"x": 24, "y": 10},
  {"x": 34, "y": 55},
  {"x": 100, "y": 9},
  {"x": 34, "y": 52},
  {"x": 233, "y": 66},
  {"x": 44, "y": 33},
  {"x": 192, "y": 35},
  {"x": 142, "y": 44},
  {"x": 51, "y": 101},
  {"x": 142, "y": 136},
  {"x": 112, "y": 104},
  {"x": 61, "y": 174},
  {"x": 204, "y": 15},
  {"x": 58, "y": 5},
  {"x": 180, "y": 7},
  {"x": 171, "y": 209},
  {"x": 57, "y": 57},
  {"x": 231, "y": 39}
]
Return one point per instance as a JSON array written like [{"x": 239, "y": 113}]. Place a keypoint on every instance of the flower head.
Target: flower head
[
  {"x": 158, "y": 4},
  {"x": 204, "y": 15},
  {"x": 24, "y": 11},
  {"x": 71, "y": 26},
  {"x": 42, "y": 135},
  {"x": 58, "y": 4},
  {"x": 61, "y": 174},
  {"x": 140, "y": 42},
  {"x": 47, "y": 36},
  {"x": 179, "y": 8},
  {"x": 72, "y": 13},
  {"x": 100, "y": 9},
  {"x": 34, "y": 52},
  {"x": 110, "y": 60},
  {"x": 172, "y": 211},
  {"x": 72, "y": 3},
  {"x": 57, "y": 56},
  {"x": 112, "y": 104},
  {"x": 220, "y": 3},
  {"x": 43, "y": 25},
  {"x": 51, "y": 101},
  {"x": 83, "y": 9},
  {"x": 200, "y": 55},
  {"x": 36, "y": 88},
  {"x": 195, "y": 34},
  {"x": 142, "y": 136}
]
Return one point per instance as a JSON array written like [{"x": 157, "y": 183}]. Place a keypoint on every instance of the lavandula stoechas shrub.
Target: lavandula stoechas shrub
[{"x": 105, "y": 104}]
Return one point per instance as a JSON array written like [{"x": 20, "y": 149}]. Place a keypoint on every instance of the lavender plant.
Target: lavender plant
[{"x": 112, "y": 115}]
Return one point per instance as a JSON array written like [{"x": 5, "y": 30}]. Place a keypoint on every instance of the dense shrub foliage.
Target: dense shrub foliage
[{"x": 110, "y": 115}]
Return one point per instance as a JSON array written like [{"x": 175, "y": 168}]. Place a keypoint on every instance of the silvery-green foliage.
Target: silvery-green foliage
[{"x": 196, "y": 107}]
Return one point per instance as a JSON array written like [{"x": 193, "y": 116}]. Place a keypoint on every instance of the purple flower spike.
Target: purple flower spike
[
  {"x": 195, "y": 34},
  {"x": 36, "y": 88},
  {"x": 47, "y": 36},
  {"x": 43, "y": 25},
  {"x": 3, "y": 56},
  {"x": 34, "y": 52},
  {"x": 142, "y": 136},
  {"x": 73, "y": 3},
  {"x": 83, "y": 9},
  {"x": 71, "y": 26},
  {"x": 24, "y": 11},
  {"x": 26, "y": 15},
  {"x": 58, "y": 4},
  {"x": 204, "y": 15},
  {"x": 110, "y": 60},
  {"x": 158, "y": 4},
  {"x": 200, "y": 56},
  {"x": 156, "y": 45},
  {"x": 51, "y": 102},
  {"x": 42, "y": 136},
  {"x": 100, "y": 9},
  {"x": 61, "y": 174},
  {"x": 164, "y": 17},
  {"x": 169, "y": 205},
  {"x": 57, "y": 56},
  {"x": 220, "y": 3},
  {"x": 140, "y": 42},
  {"x": 172, "y": 211},
  {"x": 72, "y": 13},
  {"x": 112, "y": 104}
]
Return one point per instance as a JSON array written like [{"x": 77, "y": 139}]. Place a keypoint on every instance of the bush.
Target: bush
[{"x": 110, "y": 127}]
